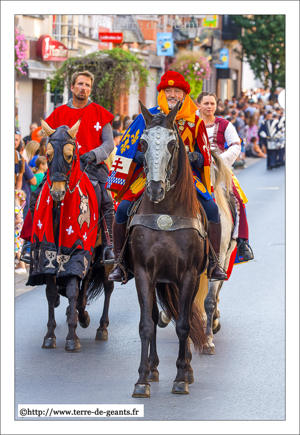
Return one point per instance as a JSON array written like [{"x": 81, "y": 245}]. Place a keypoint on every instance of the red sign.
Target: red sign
[
  {"x": 117, "y": 38},
  {"x": 50, "y": 49}
]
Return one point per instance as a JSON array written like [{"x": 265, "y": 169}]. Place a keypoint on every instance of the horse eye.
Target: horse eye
[{"x": 50, "y": 156}]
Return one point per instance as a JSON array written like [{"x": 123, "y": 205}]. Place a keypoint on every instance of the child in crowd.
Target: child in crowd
[
  {"x": 20, "y": 201},
  {"x": 253, "y": 149},
  {"x": 40, "y": 168}
]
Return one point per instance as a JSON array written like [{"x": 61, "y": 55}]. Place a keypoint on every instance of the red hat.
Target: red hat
[{"x": 173, "y": 79}]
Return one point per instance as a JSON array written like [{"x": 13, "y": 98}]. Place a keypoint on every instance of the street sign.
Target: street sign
[
  {"x": 50, "y": 49},
  {"x": 224, "y": 59},
  {"x": 115, "y": 37},
  {"x": 164, "y": 44}
]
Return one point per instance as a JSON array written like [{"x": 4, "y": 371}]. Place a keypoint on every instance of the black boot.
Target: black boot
[
  {"x": 244, "y": 250},
  {"x": 107, "y": 208},
  {"x": 119, "y": 233},
  {"x": 214, "y": 269}
]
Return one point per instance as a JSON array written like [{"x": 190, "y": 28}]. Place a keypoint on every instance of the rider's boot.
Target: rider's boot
[
  {"x": 107, "y": 209},
  {"x": 244, "y": 249},
  {"x": 119, "y": 233},
  {"x": 214, "y": 269}
]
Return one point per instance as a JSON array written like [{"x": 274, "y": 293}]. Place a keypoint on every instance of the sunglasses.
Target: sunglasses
[{"x": 17, "y": 132}]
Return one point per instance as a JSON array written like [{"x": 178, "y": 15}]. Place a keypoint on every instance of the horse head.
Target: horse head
[
  {"x": 159, "y": 143},
  {"x": 61, "y": 148}
]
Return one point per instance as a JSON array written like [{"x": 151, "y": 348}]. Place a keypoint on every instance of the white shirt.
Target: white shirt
[{"x": 233, "y": 141}]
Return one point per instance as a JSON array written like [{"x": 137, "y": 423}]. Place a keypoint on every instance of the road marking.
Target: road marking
[{"x": 266, "y": 188}]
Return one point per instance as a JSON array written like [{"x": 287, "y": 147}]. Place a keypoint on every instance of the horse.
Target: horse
[
  {"x": 168, "y": 250},
  {"x": 221, "y": 180},
  {"x": 72, "y": 268}
]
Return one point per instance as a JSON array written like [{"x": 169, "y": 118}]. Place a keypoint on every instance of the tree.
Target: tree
[
  {"x": 263, "y": 46},
  {"x": 113, "y": 69}
]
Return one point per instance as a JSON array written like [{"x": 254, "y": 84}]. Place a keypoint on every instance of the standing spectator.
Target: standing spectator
[
  {"x": 127, "y": 124},
  {"x": 117, "y": 125},
  {"x": 234, "y": 121},
  {"x": 134, "y": 116},
  {"x": 250, "y": 108},
  {"x": 261, "y": 117},
  {"x": 126, "y": 118},
  {"x": 117, "y": 138},
  {"x": 251, "y": 130},
  {"x": 20, "y": 200},
  {"x": 28, "y": 138},
  {"x": 28, "y": 179},
  {"x": 41, "y": 168},
  {"x": 32, "y": 150},
  {"x": 268, "y": 135},
  {"x": 241, "y": 124}
]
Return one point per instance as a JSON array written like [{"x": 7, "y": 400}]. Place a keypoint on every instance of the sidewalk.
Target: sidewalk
[{"x": 20, "y": 280}]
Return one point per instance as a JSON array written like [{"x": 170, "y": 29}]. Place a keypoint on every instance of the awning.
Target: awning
[{"x": 39, "y": 70}]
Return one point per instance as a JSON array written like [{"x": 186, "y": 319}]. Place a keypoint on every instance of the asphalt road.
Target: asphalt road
[{"x": 244, "y": 380}]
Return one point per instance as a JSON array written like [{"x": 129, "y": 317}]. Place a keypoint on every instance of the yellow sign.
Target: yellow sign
[{"x": 210, "y": 21}]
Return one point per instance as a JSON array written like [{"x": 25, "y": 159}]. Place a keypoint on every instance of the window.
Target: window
[{"x": 64, "y": 29}]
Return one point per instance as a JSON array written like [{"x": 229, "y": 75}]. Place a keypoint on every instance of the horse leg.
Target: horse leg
[
  {"x": 83, "y": 315},
  {"x": 210, "y": 305},
  {"x": 72, "y": 292},
  {"x": 216, "y": 322},
  {"x": 102, "y": 333},
  {"x": 180, "y": 385},
  {"x": 153, "y": 357},
  {"x": 51, "y": 293},
  {"x": 146, "y": 328},
  {"x": 189, "y": 371}
]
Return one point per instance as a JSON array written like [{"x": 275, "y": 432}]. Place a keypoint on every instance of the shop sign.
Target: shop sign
[
  {"x": 51, "y": 50},
  {"x": 210, "y": 21},
  {"x": 115, "y": 37},
  {"x": 164, "y": 44}
]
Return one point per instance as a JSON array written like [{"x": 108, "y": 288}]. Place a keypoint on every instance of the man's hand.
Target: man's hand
[
  {"x": 139, "y": 158},
  {"x": 196, "y": 158},
  {"x": 88, "y": 157}
]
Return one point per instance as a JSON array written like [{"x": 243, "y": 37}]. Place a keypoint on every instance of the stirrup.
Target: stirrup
[
  {"x": 109, "y": 260},
  {"x": 241, "y": 258}
]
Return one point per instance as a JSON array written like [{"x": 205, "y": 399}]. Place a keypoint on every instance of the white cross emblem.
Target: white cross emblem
[
  {"x": 69, "y": 230},
  {"x": 62, "y": 204},
  {"x": 94, "y": 216},
  {"x": 39, "y": 224},
  {"x": 48, "y": 200},
  {"x": 85, "y": 237},
  {"x": 79, "y": 146},
  {"x": 97, "y": 126}
]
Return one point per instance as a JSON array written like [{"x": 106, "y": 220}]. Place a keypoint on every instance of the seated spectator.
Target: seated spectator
[
  {"x": 41, "y": 167},
  {"x": 253, "y": 149},
  {"x": 28, "y": 138},
  {"x": 251, "y": 130}
]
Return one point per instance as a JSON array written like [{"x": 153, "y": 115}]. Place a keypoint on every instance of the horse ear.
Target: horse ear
[
  {"x": 72, "y": 132},
  {"x": 146, "y": 114},
  {"x": 172, "y": 115},
  {"x": 48, "y": 130}
]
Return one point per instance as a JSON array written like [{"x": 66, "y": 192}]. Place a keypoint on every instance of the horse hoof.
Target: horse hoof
[
  {"x": 86, "y": 323},
  {"x": 208, "y": 350},
  {"x": 217, "y": 328},
  {"x": 102, "y": 335},
  {"x": 141, "y": 390},
  {"x": 49, "y": 343},
  {"x": 163, "y": 320},
  {"x": 153, "y": 377},
  {"x": 190, "y": 376},
  {"x": 180, "y": 388},
  {"x": 73, "y": 345}
]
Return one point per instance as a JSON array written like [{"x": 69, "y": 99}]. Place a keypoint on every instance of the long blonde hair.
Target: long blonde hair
[{"x": 31, "y": 148}]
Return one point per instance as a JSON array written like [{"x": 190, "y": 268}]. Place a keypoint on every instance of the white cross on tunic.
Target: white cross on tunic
[
  {"x": 97, "y": 126},
  {"x": 48, "y": 200},
  {"x": 69, "y": 230},
  {"x": 79, "y": 146},
  {"x": 85, "y": 237},
  {"x": 39, "y": 224}
]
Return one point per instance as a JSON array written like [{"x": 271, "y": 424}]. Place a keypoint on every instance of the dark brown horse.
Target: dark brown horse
[
  {"x": 167, "y": 250},
  {"x": 72, "y": 272}
]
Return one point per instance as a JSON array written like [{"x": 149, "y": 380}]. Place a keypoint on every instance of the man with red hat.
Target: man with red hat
[{"x": 172, "y": 88}]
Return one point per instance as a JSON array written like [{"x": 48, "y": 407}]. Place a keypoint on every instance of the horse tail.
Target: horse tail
[
  {"x": 168, "y": 298},
  {"x": 97, "y": 277},
  {"x": 222, "y": 177}
]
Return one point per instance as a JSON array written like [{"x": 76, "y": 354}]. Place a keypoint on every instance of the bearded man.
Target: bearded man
[{"x": 127, "y": 177}]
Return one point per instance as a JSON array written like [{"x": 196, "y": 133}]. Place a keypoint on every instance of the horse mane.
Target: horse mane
[
  {"x": 184, "y": 191},
  {"x": 221, "y": 175}
]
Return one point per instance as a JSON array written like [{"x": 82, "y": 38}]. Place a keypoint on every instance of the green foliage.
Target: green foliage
[
  {"x": 113, "y": 70},
  {"x": 263, "y": 46}
]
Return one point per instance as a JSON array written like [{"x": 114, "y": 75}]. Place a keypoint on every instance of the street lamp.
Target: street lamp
[{"x": 192, "y": 30}]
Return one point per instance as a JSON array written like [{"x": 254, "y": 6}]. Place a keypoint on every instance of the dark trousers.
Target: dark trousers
[
  {"x": 271, "y": 158},
  {"x": 210, "y": 207}
]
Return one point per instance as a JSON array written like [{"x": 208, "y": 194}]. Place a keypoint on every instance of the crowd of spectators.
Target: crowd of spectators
[{"x": 247, "y": 114}]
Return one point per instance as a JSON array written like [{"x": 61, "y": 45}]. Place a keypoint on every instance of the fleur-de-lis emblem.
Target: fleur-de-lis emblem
[
  {"x": 134, "y": 138},
  {"x": 124, "y": 145}
]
